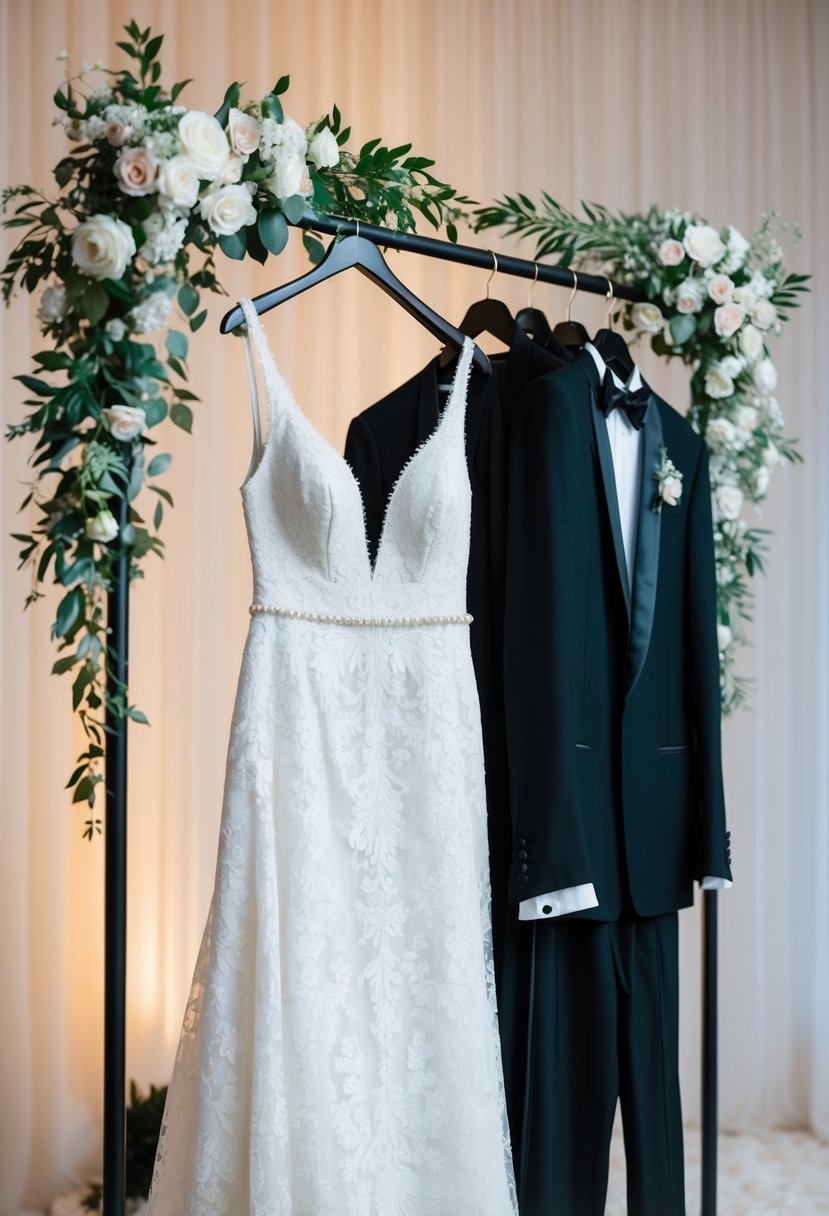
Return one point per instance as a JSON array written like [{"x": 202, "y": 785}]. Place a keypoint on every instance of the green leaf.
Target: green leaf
[
  {"x": 158, "y": 515},
  {"x": 128, "y": 534},
  {"x": 60, "y": 666},
  {"x": 158, "y": 464},
  {"x": 85, "y": 791},
  {"x": 281, "y": 85},
  {"x": 294, "y": 208},
  {"x": 181, "y": 416},
  {"x": 234, "y": 246},
  {"x": 82, "y": 681},
  {"x": 152, "y": 48},
  {"x": 273, "y": 230},
  {"x": 231, "y": 101},
  {"x": 314, "y": 248},
  {"x": 155, "y": 410},
  {"x": 178, "y": 86},
  {"x": 272, "y": 107},
  {"x": 177, "y": 367},
  {"x": 188, "y": 299},
  {"x": 138, "y": 715},
  {"x": 69, "y": 610},
  {"x": 197, "y": 321},
  {"x": 162, "y": 493},
  {"x": 94, "y": 302},
  {"x": 682, "y": 328},
  {"x": 256, "y": 249}
]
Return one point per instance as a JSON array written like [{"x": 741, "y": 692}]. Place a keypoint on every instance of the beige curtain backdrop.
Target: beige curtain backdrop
[{"x": 711, "y": 106}]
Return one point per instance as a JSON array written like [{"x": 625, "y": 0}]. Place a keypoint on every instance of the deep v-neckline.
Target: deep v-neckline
[{"x": 276, "y": 385}]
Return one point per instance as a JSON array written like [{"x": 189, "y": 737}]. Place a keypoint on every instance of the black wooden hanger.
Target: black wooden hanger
[
  {"x": 488, "y": 316},
  {"x": 363, "y": 254},
  {"x": 571, "y": 333},
  {"x": 611, "y": 345},
  {"x": 533, "y": 321}
]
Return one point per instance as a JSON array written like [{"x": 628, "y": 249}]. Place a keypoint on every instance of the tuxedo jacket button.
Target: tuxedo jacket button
[
  {"x": 524, "y": 877},
  {"x": 523, "y": 867},
  {"x": 522, "y": 854},
  {"x": 521, "y": 842}
]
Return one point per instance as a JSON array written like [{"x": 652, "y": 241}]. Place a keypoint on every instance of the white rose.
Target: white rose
[
  {"x": 770, "y": 456},
  {"x": 136, "y": 170},
  {"x": 231, "y": 172},
  {"x": 764, "y": 314},
  {"x": 647, "y": 318},
  {"x": 102, "y": 527},
  {"x": 102, "y": 247},
  {"x": 760, "y": 481},
  {"x": 291, "y": 137},
  {"x": 323, "y": 150},
  {"x": 178, "y": 182},
  {"x": 727, "y": 319},
  {"x": 124, "y": 421},
  {"x": 728, "y": 502},
  {"x": 690, "y": 296},
  {"x": 115, "y": 329},
  {"x": 724, "y": 637},
  {"x": 117, "y": 133},
  {"x": 720, "y": 434},
  {"x": 671, "y": 490},
  {"x": 732, "y": 365},
  {"x": 745, "y": 297},
  {"x": 52, "y": 304},
  {"x": 737, "y": 248},
  {"x": 703, "y": 244},
  {"x": 765, "y": 376},
  {"x": 671, "y": 253},
  {"x": 204, "y": 141},
  {"x": 288, "y": 172},
  {"x": 243, "y": 133},
  {"x": 718, "y": 384},
  {"x": 720, "y": 288},
  {"x": 751, "y": 343},
  {"x": 746, "y": 419},
  {"x": 227, "y": 209}
]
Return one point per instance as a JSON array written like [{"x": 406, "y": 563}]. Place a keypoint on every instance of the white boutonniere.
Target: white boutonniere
[{"x": 668, "y": 481}]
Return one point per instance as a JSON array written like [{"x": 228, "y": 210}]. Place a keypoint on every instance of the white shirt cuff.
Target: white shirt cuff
[
  {"x": 558, "y": 903},
  {"x": 715, "y": 884}
]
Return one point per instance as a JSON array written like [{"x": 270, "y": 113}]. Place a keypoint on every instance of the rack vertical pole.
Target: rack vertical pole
[
  {"x": 709, "y": 1128},
  {"x": 115, "y": 884}
]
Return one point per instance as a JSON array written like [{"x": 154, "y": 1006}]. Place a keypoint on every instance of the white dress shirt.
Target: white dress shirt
[{"x": 626, "y": 450}]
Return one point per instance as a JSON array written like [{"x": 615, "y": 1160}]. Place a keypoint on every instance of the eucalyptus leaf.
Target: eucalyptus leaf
[
  {"x": 273, "y": 230},
  {"x": 188, "y": 299},
  {"x": 234, "y": 246},
  {"x": 158, "y": 464},
  {"x": 181, "y": 416},
  {"x": 294, "y": 208}
]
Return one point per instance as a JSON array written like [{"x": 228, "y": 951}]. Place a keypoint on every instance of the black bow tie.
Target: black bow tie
[{"x": 633, "y": 403}]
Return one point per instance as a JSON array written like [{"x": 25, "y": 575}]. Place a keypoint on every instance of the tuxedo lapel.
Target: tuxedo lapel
[
  {"x": 646, "y": 563},
  {"x": 604, "y": 459}
]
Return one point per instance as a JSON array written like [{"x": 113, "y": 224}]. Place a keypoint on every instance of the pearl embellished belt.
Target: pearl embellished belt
[{"x": 329, "y": 618}]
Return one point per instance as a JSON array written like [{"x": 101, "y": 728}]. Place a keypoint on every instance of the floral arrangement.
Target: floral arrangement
[
  {"x": 713, "y": 300},
  {"x": 147, "y": 194}
]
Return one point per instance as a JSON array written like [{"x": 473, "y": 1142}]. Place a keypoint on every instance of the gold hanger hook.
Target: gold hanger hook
[
  {"x": 493, "y": 272},
  {"x": 531, "y": 288},
  {"x": 573, "y": 292},
  {"x": 612, "y": 298}
]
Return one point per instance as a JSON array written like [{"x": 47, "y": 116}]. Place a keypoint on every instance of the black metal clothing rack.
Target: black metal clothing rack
[{"x": 116, "y": 769}]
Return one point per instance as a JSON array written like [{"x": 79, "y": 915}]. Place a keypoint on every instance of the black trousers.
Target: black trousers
[{"x": 598, "y": 1005}]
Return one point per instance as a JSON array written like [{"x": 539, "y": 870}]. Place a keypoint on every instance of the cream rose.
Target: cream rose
[
  {"x": 720, "y": 434},
  {"x": 243, "y": 133},
  {"x": 718, "y": 383},
  {"x": 117, "y": 133},
  {"x": 647, "y": 318},
  {"x": 178, "y": 182},
  {"x": 231, "y": 172},
  {"x": 52, "y": 305},
  {"x": 323, "y": 150},
  {"x": 102, "y": 527},
  {"x": 764, "y": 314},
  {"x": 765, "y": 376},
  {"x": 102, "y": 247},
  {"x": 124, "y": 421},
  {"x": 287, "y": 175},
  {"x": 204, "y": 141},
  {"x": 136, "y": 170},
  {"x": 728, "y": 502},
  {"x": 671, "y": 490},
  {"x": 690, "y": 296},
  {"x": 720, "y": 288},
  {"x": 745, "y": 297},
  {"x": 746, "y": 419},
  {"x": 751, "y": 343},
  {"x": 703, "y": 244},
  {"x": 727, "y": 319},
  {"x": 670, "y": 253},
  {"x": 227, "y": 209}
]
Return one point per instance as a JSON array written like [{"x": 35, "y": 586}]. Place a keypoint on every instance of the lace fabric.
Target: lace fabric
[{"x": 339, "y": 1054}]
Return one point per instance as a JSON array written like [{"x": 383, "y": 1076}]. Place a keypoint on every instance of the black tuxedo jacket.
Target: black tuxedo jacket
[
  {"x": 612, "y": 694},
  {"x": 379, "y": 442}
]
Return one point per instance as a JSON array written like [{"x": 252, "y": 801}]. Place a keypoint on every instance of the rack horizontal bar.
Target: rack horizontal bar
[{"x": 466, "y": 255}]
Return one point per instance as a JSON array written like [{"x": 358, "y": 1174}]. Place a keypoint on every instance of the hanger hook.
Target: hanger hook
[
  {"x": 493, "y": 272},
  {"x": 612, "y": 298},
  {"x": 573, "y": 292},
  {"x": 532, "y": 286}
]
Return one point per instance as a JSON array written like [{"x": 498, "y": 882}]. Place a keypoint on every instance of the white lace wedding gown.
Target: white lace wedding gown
[{"x": 340, "y": 1055}]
